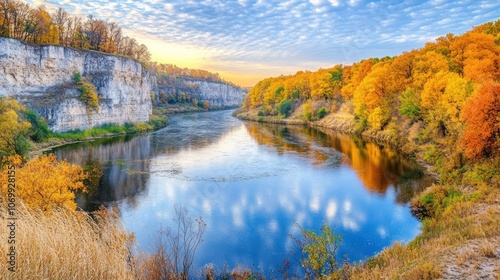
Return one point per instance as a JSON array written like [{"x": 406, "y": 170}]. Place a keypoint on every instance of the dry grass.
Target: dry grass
[
  {"x": 66, "y": 245},
  {"x": 461, "y": 242}
]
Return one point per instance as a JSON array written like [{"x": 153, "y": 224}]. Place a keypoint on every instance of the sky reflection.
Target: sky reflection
[{"x": 253, "y": 184}]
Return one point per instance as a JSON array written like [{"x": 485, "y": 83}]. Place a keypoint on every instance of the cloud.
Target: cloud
[{"x": 288, "y": 34}]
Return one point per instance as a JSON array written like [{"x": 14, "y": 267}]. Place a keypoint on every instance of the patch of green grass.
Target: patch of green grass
[{"x": 156, "y": 121}]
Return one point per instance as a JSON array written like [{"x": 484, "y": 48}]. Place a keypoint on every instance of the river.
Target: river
[{"x": 254, "y": 185}]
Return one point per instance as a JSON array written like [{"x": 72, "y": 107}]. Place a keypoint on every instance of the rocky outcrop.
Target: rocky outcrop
[
  {"x": 218, "y": 94},
  {"x": 41, "y": 78}
]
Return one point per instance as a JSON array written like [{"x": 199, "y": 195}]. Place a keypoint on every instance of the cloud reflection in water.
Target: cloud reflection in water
[{"x": 253, "y": 184}]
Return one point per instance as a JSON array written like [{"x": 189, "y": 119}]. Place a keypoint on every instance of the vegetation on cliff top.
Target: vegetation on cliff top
[
  {"x": 176, "y": 91},
  {"x": 21, "y": 21}
]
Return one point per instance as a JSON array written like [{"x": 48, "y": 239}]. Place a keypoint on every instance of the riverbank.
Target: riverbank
[
  {"x": 172, "y": 109},
  {"x": 460, "y": 222},
  {"x": 343, "y": 121},
  {"x": 158, "y": 120}
]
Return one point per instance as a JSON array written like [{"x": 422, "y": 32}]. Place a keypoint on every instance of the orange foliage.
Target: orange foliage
[
  {"x": 356, "y": 75},
  {"x": 482, "y": 118},
  {"x": 442, "y": 76},
  {"x": 44, "y": 182},
  {"x": 35, "y": 25}
]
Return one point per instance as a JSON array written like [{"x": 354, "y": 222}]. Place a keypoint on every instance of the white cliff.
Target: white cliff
[
  {"x": 218, "y": 94},
  {"x": 41, "y": 78}
]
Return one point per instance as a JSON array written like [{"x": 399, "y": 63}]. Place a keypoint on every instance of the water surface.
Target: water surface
[{"x": 252, "y": 184}]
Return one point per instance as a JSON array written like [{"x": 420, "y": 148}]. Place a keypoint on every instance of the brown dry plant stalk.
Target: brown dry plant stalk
[{"x": 64, "y": 244}]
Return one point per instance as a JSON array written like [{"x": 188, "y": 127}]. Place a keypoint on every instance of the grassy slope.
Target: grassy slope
[{"x": 460, "y": 239}]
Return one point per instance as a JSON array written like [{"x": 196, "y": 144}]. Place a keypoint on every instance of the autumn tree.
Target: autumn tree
[
  {"x": 61, "y": 19},
  {"x": 44, "y": 182},
  {"x": 427, "y": 65},
  {"x": 482, "y": 57},
  {"x": 403, "y": 67},
  {"x": 410, "y": 104},
  {"x": 36, "y": 25},
  {"x": 321, "y": 84},
  {"x": 442, "y": 100},
  {"x": 373, "y": 96},
  {"x": 13, "y": 128},
  {"x": 357, "y": 73},
  {"x": 481, "y": 115},
  {"x": 318, "y": 251}
]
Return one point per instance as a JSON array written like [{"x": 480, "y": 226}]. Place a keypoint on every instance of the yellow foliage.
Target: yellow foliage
[
  {"x": 373, "y": 91},
  {"x": 321, "y": 84},
  {"x": 307, "y": 110},
  {"x": 443, "y": 98},
  {"x": 453, "y": 100},
  {"x": 356, "y": 75},
  {"x": 11, "y": 124},
  {"x": 44, "y": 182},
  {"x": 88, "y": 95},
  {"x": 427, "y": 65},
  {"x": 378, "y": 118}
]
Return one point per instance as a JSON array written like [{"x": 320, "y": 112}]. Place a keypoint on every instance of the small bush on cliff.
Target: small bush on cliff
[
  {"x": 77, "y": 77},
  {"x": 88, "y": 93}
]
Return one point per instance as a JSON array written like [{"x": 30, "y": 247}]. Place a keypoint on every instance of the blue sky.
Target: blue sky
[{"x": 247, "y": 40}]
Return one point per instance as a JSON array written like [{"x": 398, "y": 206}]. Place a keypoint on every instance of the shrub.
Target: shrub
[
  {"x": 361, "y": 125},
  {"x": 13, "y": 128},
  {"x": 88, "y": 95},
  {"x": 263, "y": 111},
  {"x": 307, "y": 109},
  {"x": 410, "y": 104},
  {"x": 39, "y": 130},
  {"x": 21, "y": 145},
  {"x": 482, "y": 172},
  {"x": 285, "y": 107},
  {"x": 322, "y": 113},
  {"x": 44, "y": 182},
  {"x": 176, "y": 249},
  {"x": 77, "y": 77},
  {"x": 158, "y": 121},
  {"x": 318, "y": 251},
  {"x": 141, "y": 127},
  {"x": 435, "y": 200}
]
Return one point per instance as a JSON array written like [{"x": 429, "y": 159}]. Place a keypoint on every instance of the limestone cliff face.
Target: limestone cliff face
[
  {"x": 218, "y": 94},
  {"x": 41, "y": 78}
]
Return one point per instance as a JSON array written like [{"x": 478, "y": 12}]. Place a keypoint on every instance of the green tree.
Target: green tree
[
  {"x": 39, "y": 131},
  {"x": 285, "y": 107},
  {"x": 13, "y": 128},
  {"x": 318, "y": 251},
  {"x": 322, "y": 113},
  {"x": 410, "y": 104}
]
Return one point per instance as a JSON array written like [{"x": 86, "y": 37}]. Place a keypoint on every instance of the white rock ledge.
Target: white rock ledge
[{"x": 41, "y": 78}]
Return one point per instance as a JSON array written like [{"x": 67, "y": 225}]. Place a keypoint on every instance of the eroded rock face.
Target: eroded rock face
[
  {"x": 218, "y": 94},
  {"x": 41, "y": 78}
]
